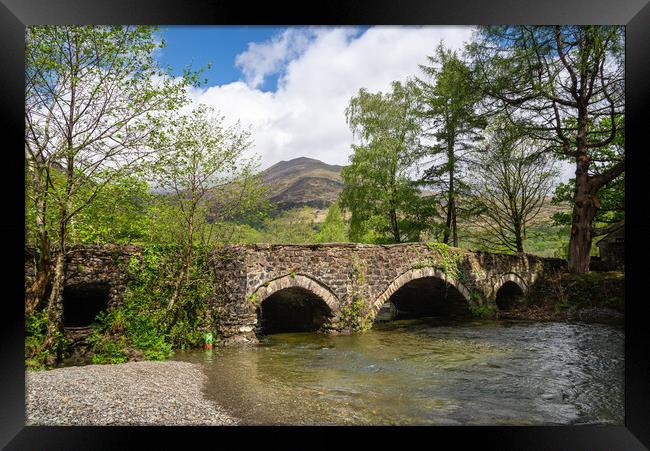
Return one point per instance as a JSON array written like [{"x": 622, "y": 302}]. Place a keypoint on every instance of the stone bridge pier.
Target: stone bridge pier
[{"x": 340, "y": 287}]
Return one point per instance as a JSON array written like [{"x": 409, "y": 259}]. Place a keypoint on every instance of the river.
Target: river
[{"x": 425, "y": 372}]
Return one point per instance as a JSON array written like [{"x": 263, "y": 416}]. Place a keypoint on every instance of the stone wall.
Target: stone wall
[{"x": 93, "y": 266}]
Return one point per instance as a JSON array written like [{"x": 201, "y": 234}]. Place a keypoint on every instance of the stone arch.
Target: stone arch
[
  {"x": 414, "y": 274},
  {"x": 509, "y": 277},
  {"x": 293, "y": 303},
  {"x": 298, "y": 281},
  {"x": 509, "y": 290},
  {"x": 83, "y": 301}
]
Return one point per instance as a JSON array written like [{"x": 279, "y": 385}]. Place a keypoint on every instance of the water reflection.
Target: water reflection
[{"x": 425, "y": 372}]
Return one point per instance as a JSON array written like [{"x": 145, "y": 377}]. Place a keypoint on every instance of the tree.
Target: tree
[
  {"x": 94, "y": 95},
  {"x": 377, "y": 189},
  {"x": 610, "y": 197},
  {"x": 449, "y": 99},
  {"x": 118, "y": 214},
  {"x": 333, "y": 230},
  {"x": 560, "y": 82},
  {"x": 196, "y": 154},
  {"x": 511, "y": 182}
]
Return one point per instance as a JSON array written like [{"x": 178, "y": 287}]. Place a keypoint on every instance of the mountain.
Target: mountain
[{"x": 303, "y": 182}]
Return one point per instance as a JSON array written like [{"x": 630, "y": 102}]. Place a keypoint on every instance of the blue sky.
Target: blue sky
[{"x": 198, "y": 45}]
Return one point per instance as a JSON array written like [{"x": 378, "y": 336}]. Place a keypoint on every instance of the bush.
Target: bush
[
  {"x": 35, "y": 330},
  {"x": 143, "y": 322},
  {"x": 484, "y": 310}
]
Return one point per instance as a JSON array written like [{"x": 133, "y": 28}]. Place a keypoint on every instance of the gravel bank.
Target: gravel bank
[{"x": 134, "y": 393}]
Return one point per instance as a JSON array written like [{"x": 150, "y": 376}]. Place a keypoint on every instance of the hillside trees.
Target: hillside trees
[
  {"x": 94, "y": 95},
  {"x": 511, "y": 180},
  {"x": 449, "y": 107},
  {"x": 560, "y": 83},
  {"x": 377, "y": 188}
]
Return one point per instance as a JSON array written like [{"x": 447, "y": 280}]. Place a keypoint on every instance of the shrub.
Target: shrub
[{"x": 143, "y": 321}]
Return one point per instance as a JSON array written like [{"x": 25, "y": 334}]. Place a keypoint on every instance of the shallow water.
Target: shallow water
[{"x": 425, "y": 371}]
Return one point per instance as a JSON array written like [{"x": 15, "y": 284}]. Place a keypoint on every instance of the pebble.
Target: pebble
[{"x": 134, "y": 393}]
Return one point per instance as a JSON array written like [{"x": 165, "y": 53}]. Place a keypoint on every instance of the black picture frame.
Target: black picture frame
[{"x": 15, "y": 15}]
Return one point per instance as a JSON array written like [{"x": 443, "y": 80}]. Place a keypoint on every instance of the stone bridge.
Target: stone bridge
[
  {"x": 342, "y": 287},
  {"x": 336, "y": 287}
]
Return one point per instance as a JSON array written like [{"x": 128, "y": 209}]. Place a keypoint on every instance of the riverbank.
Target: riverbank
[
  {"x": 134, "y": 393},
  {"x": 595, "y": 297}
]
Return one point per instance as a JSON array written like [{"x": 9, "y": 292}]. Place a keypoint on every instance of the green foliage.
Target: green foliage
[
  {"x": 143, "y": 322},
  {"x": 547, "y": 240},
  {"x": 71, "y": 156},
  {"x": 118, "y": 214},
  {"x": 296, "y": 226},
  {"x": 565, "y": 85},
  {"x": 377, "y": 189},
  {"x": 446, "y": 258},
  {"x": 35, "y": 330},
  {"x": 254, "y": 298},
  {"x": 449, "y": 98},
  {"x": 593, "y": 289},
  {"x": 511, "y": 180},
  {"x": 108, "y": 349},
  {"x": 36, "y": 355},
  {"x": 488, "y": 310},
  {"x": 116, "y": 97},
  {"x": 611, "y": 196},
  {"x": 333, "y": 229},
  {"x": 356, "y": 316}
]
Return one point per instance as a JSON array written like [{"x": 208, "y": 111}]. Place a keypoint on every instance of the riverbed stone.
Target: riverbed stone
[
  {"x": 134, "y": 393},
  {"x": 600, "y": 315}
]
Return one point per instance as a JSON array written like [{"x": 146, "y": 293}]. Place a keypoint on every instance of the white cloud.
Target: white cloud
[
  {"x": 321, "y": 69},
  {"x": 267, "y": 58}
]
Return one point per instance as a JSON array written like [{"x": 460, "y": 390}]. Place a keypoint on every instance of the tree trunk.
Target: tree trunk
[
  {"x": 187, "y": 257},
  {"x": 37, "y": 291},
  {"x": 519, "y": 242},
  {"x": 454, "y": 229},
  {"x": 445, "y": 236},
  {"x": 55, "y": 307},
  {"x": 55, "y": 299},
  {"x": 584, "y": 211},
  {"x": 451, "y": 211},
  {"x": 35, "y": 294},
  {"x": 395, "y": 226}
]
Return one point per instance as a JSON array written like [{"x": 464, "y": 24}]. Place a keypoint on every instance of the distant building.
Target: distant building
[{"x": 612, "y": 249}]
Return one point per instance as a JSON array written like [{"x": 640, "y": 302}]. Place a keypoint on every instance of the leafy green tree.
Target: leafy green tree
[
  {"x": 449, "y": 107},
  {"x": 560, "y": 82},
  {"x": 93, "y": 97},
  {"x": 511, "y": 180},
  {"x": 610, "y": 198},
  {"x": 119, "y": 214},
  {"x": 377, "y": 188},
  {"x": 295, "y": 226},
  {"x": 196, "y": 154},
  {"x": 333, "y": 229}
]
